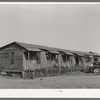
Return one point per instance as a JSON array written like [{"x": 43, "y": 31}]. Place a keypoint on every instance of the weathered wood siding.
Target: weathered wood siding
[
  {"x": 60, "y": 60},
  {"x": 43, "y": 59},
  {"x": 5, "y": 63}
]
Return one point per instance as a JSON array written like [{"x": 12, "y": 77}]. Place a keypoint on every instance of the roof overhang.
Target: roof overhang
[
  {"x": 67, "y": 53},
  {"x": 55, "y": 52},
  {"x": 81, "y": 55},
  {"x": 33, "y": 49},
  {"x": 96, "y": 55}
]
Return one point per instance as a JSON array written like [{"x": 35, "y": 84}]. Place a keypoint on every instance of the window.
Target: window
[
  {"x": 12, "y": 58},
  {"x": 48, "y": 56},
  {"x": 68, "y": 58},
  {"x": 77, "y": 59},
  {"x": 95, "y": 59},
  {"x": 64, "y": 58}
]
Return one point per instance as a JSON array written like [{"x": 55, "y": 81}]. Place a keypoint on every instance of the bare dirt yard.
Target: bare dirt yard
[{"x": 71, "y": 81}]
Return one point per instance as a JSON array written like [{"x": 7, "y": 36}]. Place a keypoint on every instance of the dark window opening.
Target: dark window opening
[
  {"x": 53, "y": 57},
  {"x": 77, "y": 60},
  {"x": 12, "y": 55},
  {"x": 64, "y": 58},
  {"x": 12, "y": 58},
  {"x": 95, "y": 59},
  {"x": 26, "y": 55},
  {"x": 68, "y": 57}
]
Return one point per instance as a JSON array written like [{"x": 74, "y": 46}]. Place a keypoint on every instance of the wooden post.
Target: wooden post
[
  {"x": 28, "y": 65},
  {"x": 23, "y": 71},
  {"x": 50, "y": 63},
  {"x": 46, "y": 65},
  {"x": 28, "y": 58},
  {"x": 34, "y": 73},
  {"x": 66, "y": 64},
  {"x": 23, "y": 74},
  {"x": 59, "y": 61},
  {"x": 39, "y": 70},
  {"x": 47, "y": 68}
]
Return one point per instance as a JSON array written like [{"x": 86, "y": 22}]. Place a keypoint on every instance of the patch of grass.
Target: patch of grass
[{"x": 69, "y": 81}]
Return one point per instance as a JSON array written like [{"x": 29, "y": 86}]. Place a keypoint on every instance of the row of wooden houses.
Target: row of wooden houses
[{"x": 32, "y": 61}]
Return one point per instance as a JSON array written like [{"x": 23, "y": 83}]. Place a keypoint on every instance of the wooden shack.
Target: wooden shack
[
  {"x": 28, "y": 60},
  {"x": 66, "y": 61},
  {"x": 18, "y": 57},
  {"x": 96, "y": 57},
  {"x": 90, "y": 59},
  {"x": 79, "y": 61}
]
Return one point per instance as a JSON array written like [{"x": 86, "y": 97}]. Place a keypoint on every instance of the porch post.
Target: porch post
[
  {"x": 23, "y": 74},
  {"x": 47, "y": 67},
  {"x": 50, "y": 64},
  {"x": 59, "y": 61},
  {"x": 23, "y": 69},
  {"x": 29, "y": 73},
  {"x": 28, "y": 59}
]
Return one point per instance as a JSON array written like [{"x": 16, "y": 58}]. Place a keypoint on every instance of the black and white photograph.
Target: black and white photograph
[{"x": 50, "y": 46}]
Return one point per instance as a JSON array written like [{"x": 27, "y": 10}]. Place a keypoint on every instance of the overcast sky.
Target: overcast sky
[{"x": 67, "y": 26}]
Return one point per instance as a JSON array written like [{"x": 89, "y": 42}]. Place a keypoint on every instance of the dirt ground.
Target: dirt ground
[{"x": 72, "y": 81}]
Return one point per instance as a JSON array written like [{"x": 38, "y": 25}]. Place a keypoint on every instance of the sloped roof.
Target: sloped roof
[
  {"x": 95, "y": 54},
  {"x": 86, "y": 53},
  {"x": 65, "y": 51},
  {"x": 51, "y": 51},
  {"x": 80, "y": 53},
  {"x": 33, "y": 47}
]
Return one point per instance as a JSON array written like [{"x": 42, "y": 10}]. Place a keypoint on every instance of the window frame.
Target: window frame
[{"x": 12, "y": 61}]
